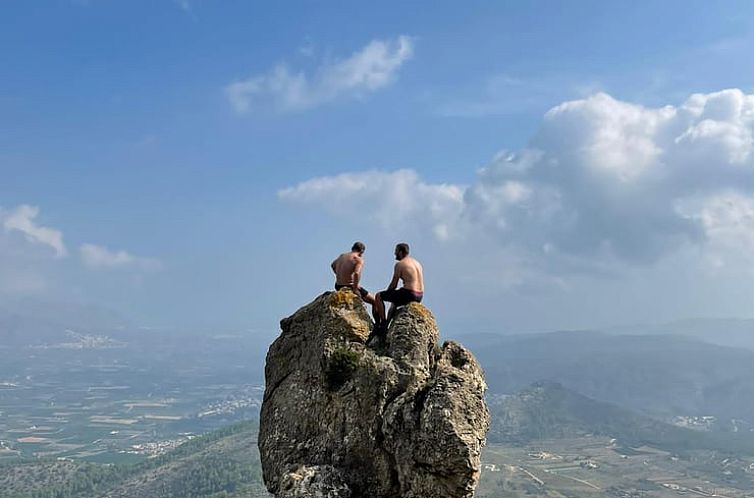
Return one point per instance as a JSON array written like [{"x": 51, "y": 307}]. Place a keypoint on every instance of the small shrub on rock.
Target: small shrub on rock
[{"x": 340, "y": 366}]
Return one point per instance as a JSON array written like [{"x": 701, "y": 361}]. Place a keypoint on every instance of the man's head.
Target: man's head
[
  {"x": 401, "y": 251},
  {"x": 358, "y": 247}
]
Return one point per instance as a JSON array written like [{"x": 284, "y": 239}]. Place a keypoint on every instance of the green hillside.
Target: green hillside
[
  {"x": 547, "y": 410},
  {"x": 221, "y": 464}
]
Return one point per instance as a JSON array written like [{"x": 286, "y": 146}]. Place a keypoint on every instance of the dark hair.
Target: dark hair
[
  {"x": 358, "y": 247},
  {"x": 403, "y": 248}
]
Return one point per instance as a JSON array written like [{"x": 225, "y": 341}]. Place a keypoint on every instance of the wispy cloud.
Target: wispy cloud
[
  {"x": 503, "y": 94},
  {"x": 184, "y": 4},
  {"x": 22, "y": 219},
  {"x": 99, "y": 257},
  {"x": 307, "y": 49},
  {"x": 370, "y": 69}
]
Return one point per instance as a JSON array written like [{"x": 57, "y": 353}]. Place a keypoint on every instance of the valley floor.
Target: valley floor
[{"x": 594, "y": 467}]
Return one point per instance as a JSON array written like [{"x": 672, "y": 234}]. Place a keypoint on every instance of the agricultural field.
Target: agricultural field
[
  {"x": 595, "y": 467},
  {"x": 115, "y": 405}
]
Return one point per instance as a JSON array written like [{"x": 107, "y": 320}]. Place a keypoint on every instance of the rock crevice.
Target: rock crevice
[{"x": 403, "y": 418}]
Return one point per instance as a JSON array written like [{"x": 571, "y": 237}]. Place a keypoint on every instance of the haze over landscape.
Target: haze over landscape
[{"x": 577, "y": 179}]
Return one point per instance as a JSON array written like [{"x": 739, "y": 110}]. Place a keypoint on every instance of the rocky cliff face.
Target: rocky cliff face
[{"x": 400, "y": 418}]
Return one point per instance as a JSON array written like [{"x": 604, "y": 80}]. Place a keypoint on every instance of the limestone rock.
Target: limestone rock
[
  {"x": 400, "y": 418},
  {"x": 319, "y": 481}
]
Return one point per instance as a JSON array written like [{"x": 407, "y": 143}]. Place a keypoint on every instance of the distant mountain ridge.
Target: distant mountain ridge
[
  {"x": 659, "y": 375},
  {"x": 731, "y": 332},
  {"x": 547, "y": 410}
]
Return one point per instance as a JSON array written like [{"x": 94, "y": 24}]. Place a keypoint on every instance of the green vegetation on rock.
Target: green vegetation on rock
[{"x": 340, "y": 366}]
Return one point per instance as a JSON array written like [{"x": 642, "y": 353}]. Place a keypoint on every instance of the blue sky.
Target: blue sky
[{"x": 199, "y": 163}]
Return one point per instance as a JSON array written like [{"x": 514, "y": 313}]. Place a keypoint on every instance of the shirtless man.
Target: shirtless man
[
  {"x": 411, "y": 273},
  {"x": 347, "y": 268}
]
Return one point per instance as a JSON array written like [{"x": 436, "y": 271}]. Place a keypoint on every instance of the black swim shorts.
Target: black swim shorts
[
  {"x": 362, "y": 290},
  {"x": 401, "y": 296}
]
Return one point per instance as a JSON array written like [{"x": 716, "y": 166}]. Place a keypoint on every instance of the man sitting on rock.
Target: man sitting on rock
[
  {"x": 347, "y": 268},
  {"x": 410, "y": 271}
]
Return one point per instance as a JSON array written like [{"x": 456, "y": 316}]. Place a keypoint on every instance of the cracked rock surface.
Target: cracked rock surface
[{"x": 399, "y": 418}]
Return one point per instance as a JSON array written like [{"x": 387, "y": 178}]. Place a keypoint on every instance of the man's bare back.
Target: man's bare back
[
  {"x": 346, "y": 266},
  {"x": 411, "y": 273},
  {"x": 407, "y": 270}
]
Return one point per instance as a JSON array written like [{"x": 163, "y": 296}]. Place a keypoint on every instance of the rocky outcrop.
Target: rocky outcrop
[{"x": 343, "y": 419}]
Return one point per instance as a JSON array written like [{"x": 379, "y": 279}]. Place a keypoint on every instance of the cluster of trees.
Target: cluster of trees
[
  {"x": 208, "y": 477},
  {"x": 85, "y": 480}
]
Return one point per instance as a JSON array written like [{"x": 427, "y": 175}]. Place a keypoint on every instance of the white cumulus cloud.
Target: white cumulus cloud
[
  {"x": 99, "y": 257},
  {"x": 22, "y": 219},
  {"x": 608, "y": 176},
  {"x": 373, "y": 67},
  {"x": 727, "y": 218},
  {"x": 602, "y": 181}
]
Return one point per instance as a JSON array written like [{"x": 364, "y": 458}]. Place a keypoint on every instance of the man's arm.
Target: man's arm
[
  {"x": 396, "y": 276},
  {"x": 356, "y": 276}
]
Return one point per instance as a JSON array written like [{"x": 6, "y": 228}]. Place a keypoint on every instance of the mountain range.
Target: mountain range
[{"x": 658, "y": 375}]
